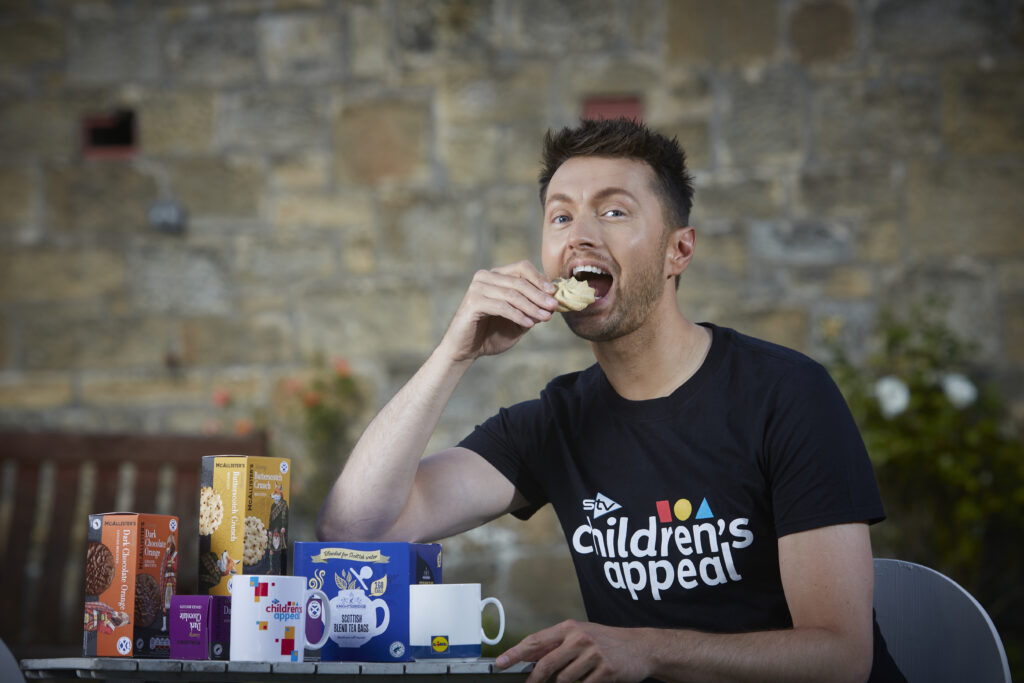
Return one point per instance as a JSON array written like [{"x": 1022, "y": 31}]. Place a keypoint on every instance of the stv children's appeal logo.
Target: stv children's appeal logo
[{"x": 662, "y": 553}]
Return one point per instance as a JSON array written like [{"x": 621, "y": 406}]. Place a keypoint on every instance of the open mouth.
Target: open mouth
[{"x": 596, "y": 278}]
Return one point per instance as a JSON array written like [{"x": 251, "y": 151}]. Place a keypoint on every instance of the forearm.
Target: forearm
[
  {"x": 387, "y": 455},
  {"x": 807, "y": 654}
]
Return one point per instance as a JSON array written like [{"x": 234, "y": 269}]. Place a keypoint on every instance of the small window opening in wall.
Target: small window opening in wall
[
  {"x": 613, "y": 107},
  {"x": 110, "y": 135}
]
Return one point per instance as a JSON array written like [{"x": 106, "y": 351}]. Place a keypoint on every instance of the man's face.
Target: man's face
[{"x": 603, "y": 221}]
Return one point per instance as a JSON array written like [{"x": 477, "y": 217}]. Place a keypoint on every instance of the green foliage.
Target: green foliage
[
  {"x": 950, "y": 468},
  {"x": 323, "y": 408}
]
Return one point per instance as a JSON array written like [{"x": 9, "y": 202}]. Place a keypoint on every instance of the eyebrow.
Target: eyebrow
[{"x": 599, "y": 195}]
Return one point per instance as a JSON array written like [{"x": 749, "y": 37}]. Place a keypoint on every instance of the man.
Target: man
[{"x": 713, "y": 488}]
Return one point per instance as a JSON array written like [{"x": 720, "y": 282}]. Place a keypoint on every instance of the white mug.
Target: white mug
[
  {"x": 268, "y": 617},
  {"x": 444, "y": 620}
]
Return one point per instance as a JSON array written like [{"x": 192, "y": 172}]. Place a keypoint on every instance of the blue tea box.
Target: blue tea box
[{"x": 367, "y": 585}]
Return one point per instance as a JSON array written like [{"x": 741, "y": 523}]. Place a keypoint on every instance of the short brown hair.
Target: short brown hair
[{"x": 629, "y": 139}]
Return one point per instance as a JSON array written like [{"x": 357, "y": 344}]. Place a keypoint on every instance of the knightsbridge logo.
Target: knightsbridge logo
[{"x": 668, "y": 549}]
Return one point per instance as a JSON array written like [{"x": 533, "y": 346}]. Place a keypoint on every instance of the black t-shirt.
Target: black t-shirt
[{"x": 672, "y": 507}]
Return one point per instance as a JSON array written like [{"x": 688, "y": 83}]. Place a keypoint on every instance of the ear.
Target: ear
[{"x": 679, "y": 250}]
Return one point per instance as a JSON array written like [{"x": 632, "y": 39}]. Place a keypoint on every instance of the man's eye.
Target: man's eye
[
  {"x": 558, "y": 220},
  {"x": 614, "y": 213}
]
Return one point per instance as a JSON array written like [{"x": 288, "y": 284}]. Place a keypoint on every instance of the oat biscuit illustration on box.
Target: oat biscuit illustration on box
[{"x": 243, "y": 518}]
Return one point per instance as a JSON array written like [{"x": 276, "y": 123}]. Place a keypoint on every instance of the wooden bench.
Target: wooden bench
[{"x": 51, "y": 482}]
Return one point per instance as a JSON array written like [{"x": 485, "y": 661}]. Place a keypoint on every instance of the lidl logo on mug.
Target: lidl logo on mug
[{"x": 439, "y": 643}]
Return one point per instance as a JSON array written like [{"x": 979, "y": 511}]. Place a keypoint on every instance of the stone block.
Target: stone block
[
  {"x": 98, "y": 198},
  {"x": 370, "y": 41},
  {"x": 470, "y": 94},
  {"x": 1010, "y": 276},
  {"x": 223, "y": 186},
  {"x": 822, "y": 31},
  {"x": 539, "y": 27},
  {"x": 324, "y": 210},
  {"x": 468, "y": 30},
  {"x": 38, "y": 128},
  {"x": 810, "y": 242},
  {"x": 172, "y": 123},
  {"x": 850, "y": 282},
  {"x": 114, "y": 51},
  {"x": 152, "y": 389},
  {"x": 35, "y": 390},
  {"x": 265, "y": 266},
  {"x": 514, "y": 215},
  {"x": 59, "y": 339},
  {"x": 880, "y": 118},
  {"x": 214, "y": 52},
  {"x": 383, "y": 141},
  {"x": 60, "y": 275},
  {"x": 831, "y": 191},
  {"x": 519, "y": 153},
  {"x": 729, "y": 32},
  {"x": 306, "y": 170},
  {"x": 982, "y": 109},
  {"x": 789, "y": 327},
  {"x": 427, "y": 229},
  {"x": 301, "y": 48},
  {"x": 928, "y": 29},
  {"x": 965, "y": 208},
  {"x": 218, "y": 341},
  {"x": 271, "y": 120},
  {"x": 366, "y": 323},
  {"x": 728, "y": 198},
  {"x": 469, "y": 153},
  {"x": 17, "y": 189},
  {"x": 764, "y": 119},
  {"x": 27, "y": 42},
  {"x": 174, "y": 280},
  {"x": 695, "y": 139}
]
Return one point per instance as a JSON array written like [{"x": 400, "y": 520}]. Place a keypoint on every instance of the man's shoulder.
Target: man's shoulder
[{"x": 745, "y": 348}]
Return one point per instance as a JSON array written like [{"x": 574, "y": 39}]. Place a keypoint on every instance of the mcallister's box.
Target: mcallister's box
[
  {"x": 243, "y": 518},
  {"x": 368, "y": 588},
  {"x": 200, "y": 627},
  {"x": 131, "y": 567}
]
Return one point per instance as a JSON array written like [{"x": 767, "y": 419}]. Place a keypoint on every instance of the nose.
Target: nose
[{"x": 583, "y": 233}]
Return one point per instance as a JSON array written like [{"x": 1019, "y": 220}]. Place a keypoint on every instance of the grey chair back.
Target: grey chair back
[
  {"x": 935, "y": 630},
  {"x": 10, "y": 670}
]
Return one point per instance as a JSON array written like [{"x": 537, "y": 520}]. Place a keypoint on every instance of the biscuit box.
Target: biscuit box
[
  {"x": 368, "y": 588},
  {"x": 243, "y": 518},
  {"x": 200, "y": 627},
  {"x": 131, "y": 567}
]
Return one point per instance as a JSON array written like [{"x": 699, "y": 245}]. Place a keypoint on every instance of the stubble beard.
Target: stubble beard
[{"x": 633, "y": 305}]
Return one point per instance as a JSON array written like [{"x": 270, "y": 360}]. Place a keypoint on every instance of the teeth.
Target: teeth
[{"x": 588, "y": 269}]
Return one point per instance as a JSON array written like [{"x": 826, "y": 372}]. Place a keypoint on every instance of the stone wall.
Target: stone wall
[{"x": 346, "y": 167}]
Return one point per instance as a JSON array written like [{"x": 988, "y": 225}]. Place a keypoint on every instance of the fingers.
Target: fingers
[{"x": 518, "y": 294}]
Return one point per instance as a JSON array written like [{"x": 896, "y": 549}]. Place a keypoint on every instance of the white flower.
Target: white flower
[
  {"x": 892, "y": 394},
  {"x": 960, "y": 391}
]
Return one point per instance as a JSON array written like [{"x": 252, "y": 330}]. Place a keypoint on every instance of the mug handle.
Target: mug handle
[
  {"x": 383, "y": 626},
  {"x": 501, "y": 621},
  {"x": 326, "y": 606}
]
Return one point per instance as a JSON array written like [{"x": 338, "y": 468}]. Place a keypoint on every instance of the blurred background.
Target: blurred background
[{"x": 258, "y": 216}]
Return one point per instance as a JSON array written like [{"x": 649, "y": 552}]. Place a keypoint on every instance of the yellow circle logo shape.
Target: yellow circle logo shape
[
  {"x": 439, "y": 643},
  {"x": 682, "y": 509}
]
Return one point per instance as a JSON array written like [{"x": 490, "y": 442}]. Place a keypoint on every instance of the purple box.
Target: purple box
[{"x": 200, "y": 626}]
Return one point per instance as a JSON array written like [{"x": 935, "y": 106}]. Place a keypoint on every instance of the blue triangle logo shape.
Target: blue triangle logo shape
[{"x": 704, "y": 511}]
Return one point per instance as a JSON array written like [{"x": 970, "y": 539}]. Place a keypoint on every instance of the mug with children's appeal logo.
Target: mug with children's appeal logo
[
  {"x": 268, "y": 617},
  {"x": 445, "y": 620}
]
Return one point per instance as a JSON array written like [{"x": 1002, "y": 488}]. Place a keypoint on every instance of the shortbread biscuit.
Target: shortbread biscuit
[
  {"x": 211, "y": 510},
  {"x": 572, "y": 294},
  {"x": 255, "y": 544}
]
